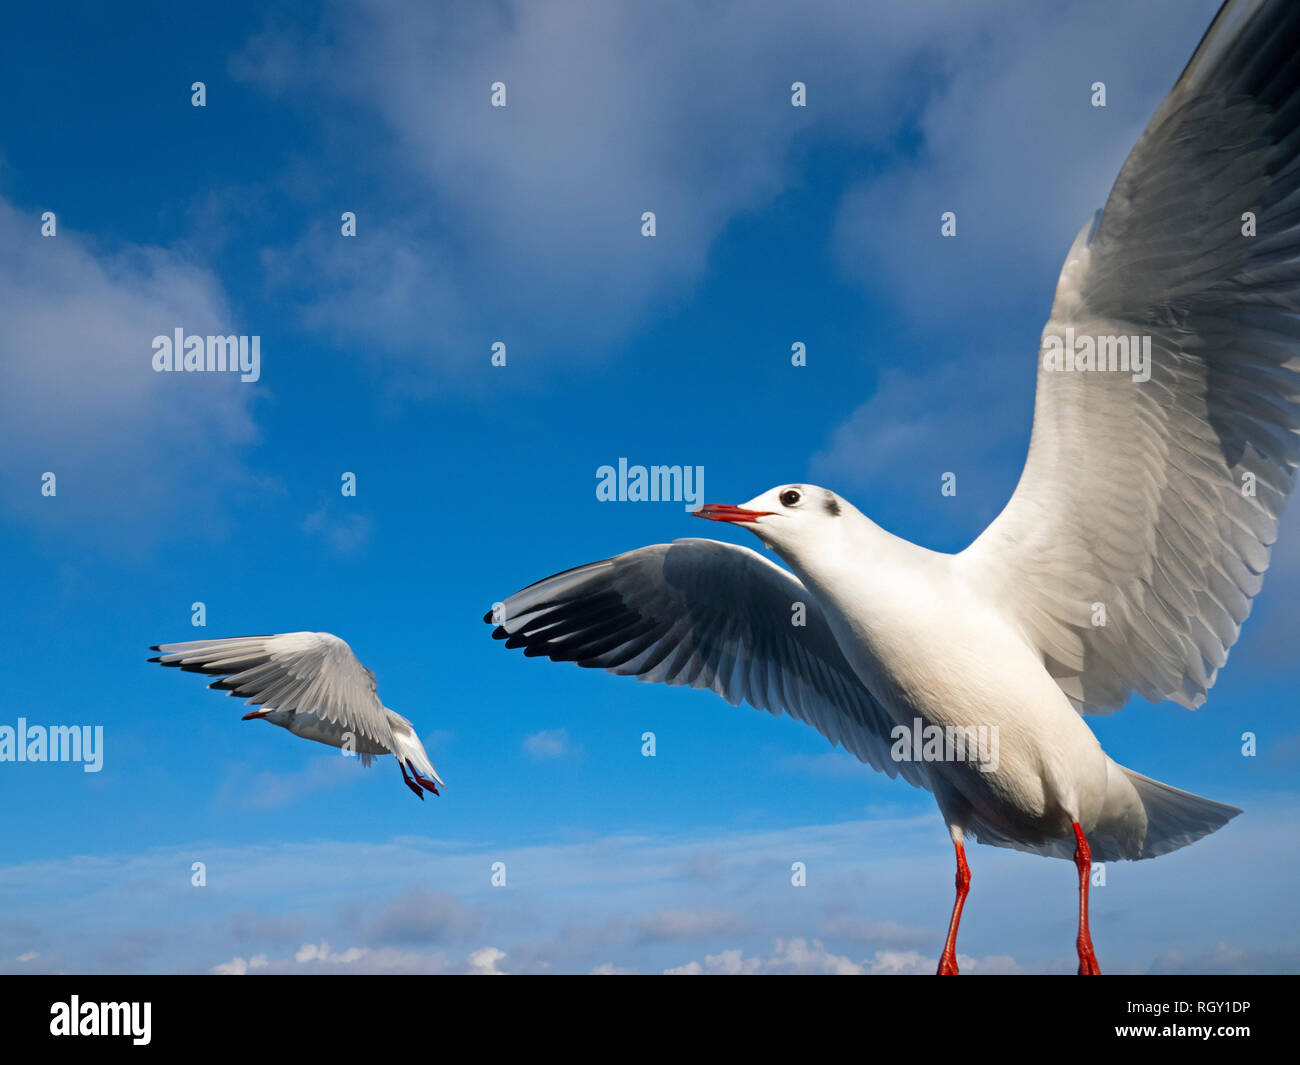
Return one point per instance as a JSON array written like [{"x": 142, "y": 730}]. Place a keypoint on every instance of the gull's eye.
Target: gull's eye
[{"x": 789, "y": 498}]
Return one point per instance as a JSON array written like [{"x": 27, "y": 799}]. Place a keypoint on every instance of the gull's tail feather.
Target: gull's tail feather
[
  {"x": 1175, "y": 818},
  {"x": 1141, "y": 818}
]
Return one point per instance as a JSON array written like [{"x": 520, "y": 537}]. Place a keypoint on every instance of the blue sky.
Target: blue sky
[{"x": 522, "y": 225}]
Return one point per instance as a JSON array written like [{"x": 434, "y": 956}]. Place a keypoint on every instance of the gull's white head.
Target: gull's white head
[{"x": 789, "y": 519}]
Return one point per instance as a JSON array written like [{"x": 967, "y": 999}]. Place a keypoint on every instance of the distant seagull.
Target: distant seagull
[
  {"x": 312, "y": 684},
  {"x": 1126, "y": 560}
]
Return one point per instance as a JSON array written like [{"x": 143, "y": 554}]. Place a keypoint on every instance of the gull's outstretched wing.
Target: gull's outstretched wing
[
  {"x": 1141, "y": 527},
  {"x": 709, "y": 615},
  {"x": 313, "y": 673}
]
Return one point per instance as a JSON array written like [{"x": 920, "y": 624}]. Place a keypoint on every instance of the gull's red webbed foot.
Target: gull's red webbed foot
[
  {"x": 424, "y": 782},
  {"x": 409, "y": 782}
]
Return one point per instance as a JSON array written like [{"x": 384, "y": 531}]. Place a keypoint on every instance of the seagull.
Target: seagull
[
  {"x": 313, "y": 685},
  {"x": 1125, "y": 561}
]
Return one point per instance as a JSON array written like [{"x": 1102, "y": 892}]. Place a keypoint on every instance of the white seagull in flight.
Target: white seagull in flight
[
  {"x": 1125, "y": 561},
  {"x": 313, "y": 685}
]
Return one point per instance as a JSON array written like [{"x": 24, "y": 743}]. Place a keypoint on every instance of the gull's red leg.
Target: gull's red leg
[
  {"x": 424, "y": 782},
  {"x": 1083, "y": 860},
  {"x": 948, "y": 959},
  {"x": 409, "y": 782}
]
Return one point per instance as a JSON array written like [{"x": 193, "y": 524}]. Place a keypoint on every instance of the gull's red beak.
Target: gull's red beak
[{"x": 726, "y": 512}]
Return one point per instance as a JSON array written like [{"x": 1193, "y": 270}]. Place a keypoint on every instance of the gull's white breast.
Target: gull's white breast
[{"x": 930, "y": 647}]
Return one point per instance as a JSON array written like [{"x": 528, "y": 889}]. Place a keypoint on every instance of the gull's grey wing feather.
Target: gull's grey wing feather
[
  {"x": 313, "y": 673},
  {"x": 1151, "y": 507},
  {"x": 708, "y": 615}
]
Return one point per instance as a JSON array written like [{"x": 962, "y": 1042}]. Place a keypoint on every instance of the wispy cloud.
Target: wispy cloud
[
  {"x": 321, "y": 957},
  {"x": 265, "y": 790},
  {"x": 832, "y": 764},
  {"x": 549, "y": 744},
  {"x": 877, "y": 900},
  {"x": 421, "y": 917},
  {"x": 1014, "y": 223},
  {"x": 81, "y": 399},
  {"x": 240, "y": 966},
  {"x": 799, "y": 956},
  {"x": 687, "y": 924},
  {"x": 343, "y": 533},
  {"x": 539, "y": 203},
  {"x": 847, "y": 928}
]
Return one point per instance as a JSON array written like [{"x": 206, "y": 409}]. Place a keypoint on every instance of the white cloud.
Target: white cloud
[
  {"x": 1011, "y": 143},
  {"x": 239, "y": 966},
  {"x": 612, "y": 110},
  {"x": 832, "y": 764},
  {"x": 687, "y": 924},
  {"x": 265, "y": 790},
  {"x": 320, "y": 952},
  {"x": 798, "y": 956},
  {"x": 610, "y": 969},
  {"x": 344, "y": 533},
  {"x": 80, "y": 396},
  {"x": 891, "y": 934},
  {"x": 1276, "y": 957},
  {"x": 421, "y": 916},
  {"x": 483, "y": 961},
  {"x": 321, "y": 957},
  {"x": 789, "y": 956},
  {"x": 684, "y": 109},
  {"x": 878, "y": 896},
  {"x": 548, "y": 744}
]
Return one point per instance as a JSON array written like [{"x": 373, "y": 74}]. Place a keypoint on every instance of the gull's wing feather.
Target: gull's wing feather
[
  {"x": 709, "y": 615},
  {"x": 313, "y": 673},
  {"x": 1159, "y": 500}
]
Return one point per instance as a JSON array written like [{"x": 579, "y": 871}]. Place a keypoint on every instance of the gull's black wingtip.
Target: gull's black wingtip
[
  {"x": 158, "y": 659},
  {"x": 154, "y": 647},
  {"x": 488, "y": 617}
]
